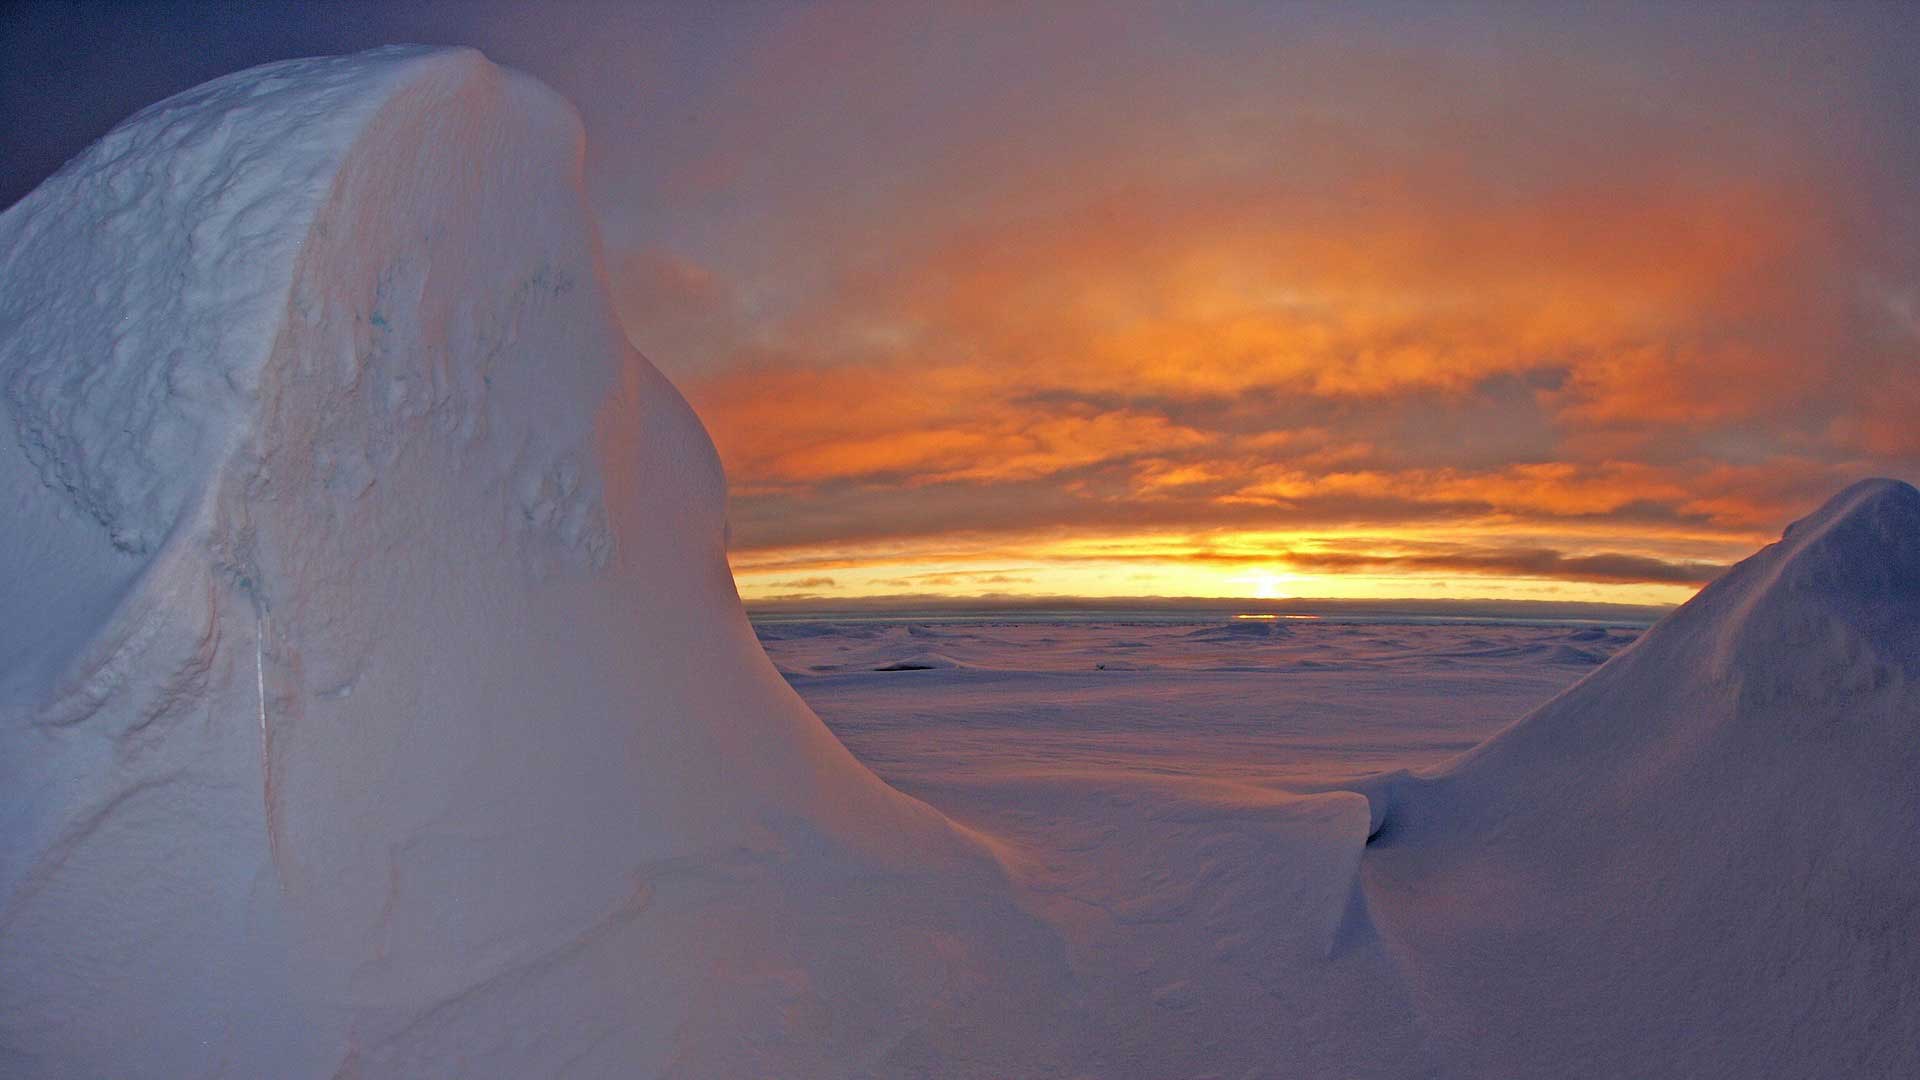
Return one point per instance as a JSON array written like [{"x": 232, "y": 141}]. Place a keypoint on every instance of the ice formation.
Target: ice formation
[
  {"x": 375, "y": 701},
  {"x": 373, "y": 691}
]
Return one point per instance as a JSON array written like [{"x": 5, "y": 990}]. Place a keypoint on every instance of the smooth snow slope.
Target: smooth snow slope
[
  {"x": 1704, "y": 859},
  {"x": 374, "y": 697}
]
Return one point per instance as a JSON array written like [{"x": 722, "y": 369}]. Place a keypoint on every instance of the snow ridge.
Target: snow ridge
[
  {"x": 371, "y": 636},
  {"x": 1699, "y": 860},
  {"x": 191, "y": 226}
]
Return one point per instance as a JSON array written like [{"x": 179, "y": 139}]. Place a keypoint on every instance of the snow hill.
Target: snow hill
[
  {"x": 1704, "y": 858},
  {"x": 374, "y": 697}
]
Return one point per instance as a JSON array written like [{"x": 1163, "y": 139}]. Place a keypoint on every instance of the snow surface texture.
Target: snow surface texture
[
  {"x": 375, "y": 701},
  {"x": 1703, "y": 860},
  {"x": 1316, "y": 708},
  {"x": 375, "y": 694}
]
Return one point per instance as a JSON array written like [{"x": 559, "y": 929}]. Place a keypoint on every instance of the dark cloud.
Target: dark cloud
[
  {"x": 804, "y": 583},
  {"x": 1610, "y": 567}
]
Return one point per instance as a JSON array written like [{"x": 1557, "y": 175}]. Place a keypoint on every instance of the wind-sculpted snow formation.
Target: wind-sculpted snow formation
[
  {"x": 375, "y": 701},
  {"x": 376, "y": 698},
  {"x": 1703, "y": 859}
]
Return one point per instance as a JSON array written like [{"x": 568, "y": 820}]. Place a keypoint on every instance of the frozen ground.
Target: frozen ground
[
  {"x": 947, "y": 709},
  {"x": 1166, "y": 796}
]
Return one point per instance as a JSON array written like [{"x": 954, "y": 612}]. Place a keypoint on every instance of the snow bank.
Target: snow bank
[
  {"x": 1703, "y": 859},
  {"x": 374, "y": 697}
]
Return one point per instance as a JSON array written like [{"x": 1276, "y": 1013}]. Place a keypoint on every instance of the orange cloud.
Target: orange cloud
[{"x": 1367, "y": 291}]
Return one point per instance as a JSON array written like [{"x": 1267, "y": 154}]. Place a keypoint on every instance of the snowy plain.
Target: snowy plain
[
  {"x": 937, "y": 707},
  {"x": 1157, "y": 786}
]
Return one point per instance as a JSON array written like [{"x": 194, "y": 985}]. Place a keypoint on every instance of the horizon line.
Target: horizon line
[{"x": 920, "y": 602}]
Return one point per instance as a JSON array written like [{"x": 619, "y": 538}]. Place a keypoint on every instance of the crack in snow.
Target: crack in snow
[
  {"x": 260, "y": 678},
  {"x": 260, "y": 631}
]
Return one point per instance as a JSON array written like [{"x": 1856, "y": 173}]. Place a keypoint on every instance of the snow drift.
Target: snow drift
[
  {"x": 374, "y": 696},
  {"x": 1703, "y": 859}
]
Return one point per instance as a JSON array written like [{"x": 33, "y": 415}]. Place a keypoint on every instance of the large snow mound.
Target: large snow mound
[
  {"x": 374, "y": 697},
  {"x": 1704, "y": 858}
]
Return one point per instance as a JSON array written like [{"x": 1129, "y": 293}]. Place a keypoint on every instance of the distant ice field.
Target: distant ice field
[{"x": 949, "y": 708}]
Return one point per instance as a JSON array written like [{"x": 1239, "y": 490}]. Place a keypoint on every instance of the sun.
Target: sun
[{"x": 1267, "y": 585}]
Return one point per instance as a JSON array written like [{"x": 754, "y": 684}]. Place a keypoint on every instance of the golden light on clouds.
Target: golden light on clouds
[
  {"x": 1375, "y": 316},
  {"x": 1483, "y": 559},
  {"x": 1565, "y": 299},
  {"x": 1211, "y": 376}
]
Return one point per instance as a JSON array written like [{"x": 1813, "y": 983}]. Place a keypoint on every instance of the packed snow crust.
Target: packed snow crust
[{"x": 375, "y": 701}]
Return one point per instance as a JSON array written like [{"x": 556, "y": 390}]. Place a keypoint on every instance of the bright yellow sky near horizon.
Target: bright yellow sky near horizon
[
  {"x": 1233, "y": 565},
  {"x": 1042, "y": 576}
]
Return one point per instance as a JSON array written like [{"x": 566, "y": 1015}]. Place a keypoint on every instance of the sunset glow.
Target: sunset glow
[
  {"x": 1358, "y": 321},
  {"x": 1471, "y": 559},
  {"x": 1557, "y": 301}
]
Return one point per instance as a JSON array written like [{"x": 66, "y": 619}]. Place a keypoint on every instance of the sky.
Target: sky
[{"x": 1577, "y": 302}]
